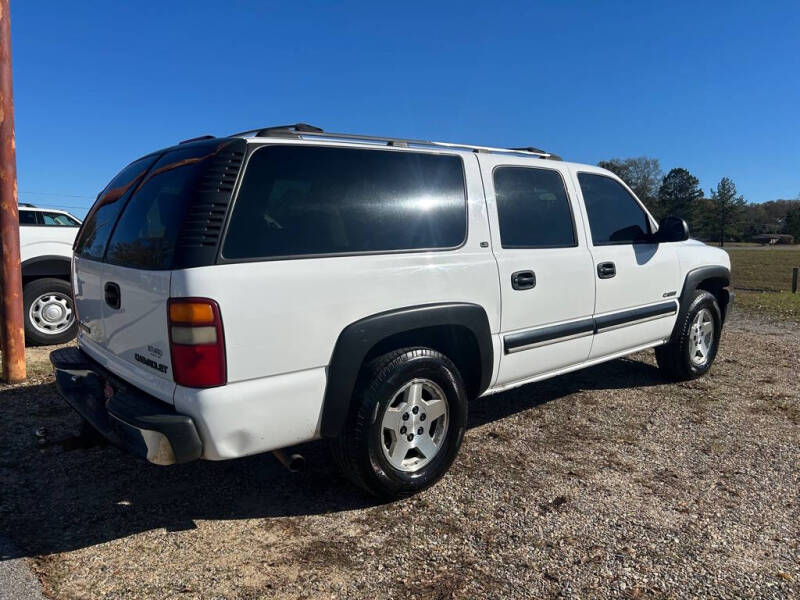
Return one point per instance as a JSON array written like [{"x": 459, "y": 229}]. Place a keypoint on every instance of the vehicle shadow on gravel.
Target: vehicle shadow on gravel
[
  {"x": 618, "y": 374},
  {"x": 54, "y": 499}
]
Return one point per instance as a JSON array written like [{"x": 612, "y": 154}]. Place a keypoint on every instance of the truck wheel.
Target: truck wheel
[
  {"x": 49, "y": 312},
  {"x": 694, "y": 345},
  {"x": 407, "y": 421}
]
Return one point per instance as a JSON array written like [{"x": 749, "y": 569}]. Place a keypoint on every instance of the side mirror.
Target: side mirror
[{"x": 671, "y": 229}]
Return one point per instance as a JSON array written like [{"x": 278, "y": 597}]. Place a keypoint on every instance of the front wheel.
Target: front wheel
[
  {"x": 693, "y": 348},
  {"x": 49, "y": 312},
  {"x": 407, "y": 421}
]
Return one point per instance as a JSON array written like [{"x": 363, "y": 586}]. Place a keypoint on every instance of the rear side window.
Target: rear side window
[
  {"x": 93, "y": 236},
  {"x": 614, "y": 215},
  {"x": 147, "y": 231},
  {"x": 298, "y": 200},
  {"x": 27, "y": 217},
  {"x": 533, "y": 208}
]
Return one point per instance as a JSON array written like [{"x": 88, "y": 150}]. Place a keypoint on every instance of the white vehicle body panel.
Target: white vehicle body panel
[
  {"x": 138, "y": 329},
  {"x": 648, "y": 332},
  {"x": 314, "y": 301},
  {"x": 158, "y": 387},
  {"x": 87, "y": 290},
  {"x": 693, "y": 254},
  {"x": 45, "y": 240},
  {"x": 37, "y": 240},
  {"x": 258, "y": 415}
]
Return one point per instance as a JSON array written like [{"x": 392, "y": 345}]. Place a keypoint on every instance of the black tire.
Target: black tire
[
  {"x": 358, "y": 449},
  {"x": 36, "y": 289},
  {"x": 675, "y": 358}
]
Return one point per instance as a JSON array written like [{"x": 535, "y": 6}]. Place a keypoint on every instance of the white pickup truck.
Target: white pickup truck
[
  {"x": 243, "y": 294},
  {"x": 46, "y": 236}
]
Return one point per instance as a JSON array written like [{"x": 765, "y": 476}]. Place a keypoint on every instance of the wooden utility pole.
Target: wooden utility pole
[{"x": 12, "y": 333}]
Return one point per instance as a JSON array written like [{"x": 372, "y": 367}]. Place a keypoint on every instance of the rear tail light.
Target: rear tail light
[{"x": 196, "y": 342}]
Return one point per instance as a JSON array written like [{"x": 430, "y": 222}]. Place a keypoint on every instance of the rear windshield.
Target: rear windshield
[
  {"x": 300, "y": 200},
  {"x": 147, "y": 231},
  {"x": 93, "y": 236}
]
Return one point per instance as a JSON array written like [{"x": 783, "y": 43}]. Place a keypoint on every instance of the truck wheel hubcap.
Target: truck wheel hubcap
[
  {"x": 51, "y": 313},
  {"x": 414, "y": 425},
  {"x": 701, "y": 337}
]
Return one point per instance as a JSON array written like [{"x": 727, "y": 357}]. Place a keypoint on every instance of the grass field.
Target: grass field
[
  {"x": 764, "y": 268},
  {"x": 762, "y": 277}
]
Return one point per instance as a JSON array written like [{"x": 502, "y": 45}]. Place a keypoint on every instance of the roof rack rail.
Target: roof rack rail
[
  {"x": 533, "y": 150},
  {"x": 196, "y": 139},
  {"x": 26, "y": 205},
  {"x": 296, "y": 128},
  {"x": 302, "y": 130},
  {"x": 293, "y": 130}
]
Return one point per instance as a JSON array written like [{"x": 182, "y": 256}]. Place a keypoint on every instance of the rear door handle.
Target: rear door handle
[
  {"x": 606, "y": 270},
  {"x": 113, "y": 295},
  {"x": 523, "y": 280}
]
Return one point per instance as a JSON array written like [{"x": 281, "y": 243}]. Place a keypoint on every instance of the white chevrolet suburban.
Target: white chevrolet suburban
[
  {"x": 244, "y": 294},
  {"x": 46, "y": 236}
]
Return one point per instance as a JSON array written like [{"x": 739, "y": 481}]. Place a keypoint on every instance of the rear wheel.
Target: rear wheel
[
  {"x": 694, "y": 345},
  {"x": 407, "y": 421},
  {"x": 49, "y": 312}
]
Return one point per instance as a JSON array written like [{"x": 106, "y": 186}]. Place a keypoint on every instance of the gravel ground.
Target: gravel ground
[
  {"x": 602, "y": 483},
  {"x": 16, "y": 580}
]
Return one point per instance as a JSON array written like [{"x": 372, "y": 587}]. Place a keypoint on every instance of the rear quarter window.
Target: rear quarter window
[{"x": 300, "y": 201}]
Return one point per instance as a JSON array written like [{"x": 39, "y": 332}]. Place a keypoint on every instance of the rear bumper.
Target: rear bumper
[{"x": 126, "y": 416}]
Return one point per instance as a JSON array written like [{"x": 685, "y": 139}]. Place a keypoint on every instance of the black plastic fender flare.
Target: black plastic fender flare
[
  {"x": 357, "y": 339},
  {"x": 47, "y": 266},
  {"x": 693, "y": 279}
]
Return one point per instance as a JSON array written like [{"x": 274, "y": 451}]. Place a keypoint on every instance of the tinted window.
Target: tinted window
[
  {"x": 614, "y": 215},
  {"x": 148, "y": 228},
  {"x": 27, "y": 217},
  {"x": 93, "y": 236},
  {"x": 311, "y": 200},
  {"x": 59, "y": 219},
  {"x": 533, "y": 208}
]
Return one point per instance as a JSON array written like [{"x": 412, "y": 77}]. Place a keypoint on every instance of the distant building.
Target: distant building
[{"x": 773, "y": 238}]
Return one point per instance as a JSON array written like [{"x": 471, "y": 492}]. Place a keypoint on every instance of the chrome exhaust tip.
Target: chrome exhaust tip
[{"x": 294, "y": 463}]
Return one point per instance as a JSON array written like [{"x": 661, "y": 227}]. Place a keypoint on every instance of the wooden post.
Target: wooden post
[
  {"x": 11, "y": 328},
  {"x": 794, "y": 279}
]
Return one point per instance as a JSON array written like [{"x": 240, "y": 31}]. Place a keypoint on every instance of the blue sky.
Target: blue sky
[{"x": 713, "y": 87}]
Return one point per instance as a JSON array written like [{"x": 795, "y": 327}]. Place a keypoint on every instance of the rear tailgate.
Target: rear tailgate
[{"x": 123, "y": 310}]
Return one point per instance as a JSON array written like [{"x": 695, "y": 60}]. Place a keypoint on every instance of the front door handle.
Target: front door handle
[
  {"x": 606, "y": 270},
  {"x": 523, "y": 280}
]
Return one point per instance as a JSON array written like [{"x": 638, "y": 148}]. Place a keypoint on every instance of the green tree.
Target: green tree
[
  {"x": 724, "y": 211},
  {"x": 643, "y": 175},
  {"x": 679, "y": 195},
  {"x": 792, "y": 223},
  {"x": 768, "y": 217}
]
